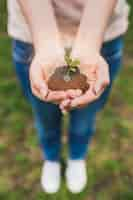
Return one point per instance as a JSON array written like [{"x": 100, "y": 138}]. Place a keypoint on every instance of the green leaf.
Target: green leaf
[
  {"x": 73, "y": 69},
  {"x": 68, "y": 60},
  {"x": 76, "y": 63}
]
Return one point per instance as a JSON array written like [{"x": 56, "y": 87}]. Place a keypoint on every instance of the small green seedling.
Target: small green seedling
[{"x": 71, "y": 63}]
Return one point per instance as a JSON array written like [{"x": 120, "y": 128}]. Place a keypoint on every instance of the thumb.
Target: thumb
[
  {"x": 37, "y": 79},
  {"x": 98, "y": 86}
]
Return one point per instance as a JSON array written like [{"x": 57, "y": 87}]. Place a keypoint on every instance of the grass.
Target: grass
[{"x": 110, "y": 163}]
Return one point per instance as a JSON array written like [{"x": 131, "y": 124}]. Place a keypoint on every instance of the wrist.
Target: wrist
[
  {"x": 83, "y": 52},
  {"x": 49, "y": 47},
  {"x": 49, "y": 40},
  {"x": 47, "y": 44},
  {"x": 88, "y": 46},
  {"x": 47, "y": 55}
]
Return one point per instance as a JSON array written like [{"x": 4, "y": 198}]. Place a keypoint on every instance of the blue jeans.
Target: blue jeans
[{"x": 48, "y": 116}]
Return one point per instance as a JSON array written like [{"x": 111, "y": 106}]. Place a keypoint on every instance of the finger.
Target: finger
[
  {"x": 100, "y": 86},
  {"x": 40, "y": 88},
  {"x": 65, "y": 104},
  {"x": 73, "y": 93},
  {"x": 103, "y": 79},
  {"x": 36, "y": 93},
  {"x": 88, "y": 97},
  {"x": 43, "y": 90},
  {"x": 55, "y": 96},
  {"x": 105, "y": 84},
  {"x": 100, "y": 93},
  {"x": 38, "y": 83}
]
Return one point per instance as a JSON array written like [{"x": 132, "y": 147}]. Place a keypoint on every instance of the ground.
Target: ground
[{"x": 110, "y": 163}]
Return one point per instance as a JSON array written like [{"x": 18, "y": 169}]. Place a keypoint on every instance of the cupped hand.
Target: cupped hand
[
  {"x": 97, "y": 71},
  {"x": 42, "y": 66}
]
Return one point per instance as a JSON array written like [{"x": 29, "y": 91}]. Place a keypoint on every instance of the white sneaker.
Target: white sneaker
[
  {"x": 76, "y": 175},
  {"x": 50, "y": 179}
]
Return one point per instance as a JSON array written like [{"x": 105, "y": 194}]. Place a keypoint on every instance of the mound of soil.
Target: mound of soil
[{"x": 62, "y": 80}]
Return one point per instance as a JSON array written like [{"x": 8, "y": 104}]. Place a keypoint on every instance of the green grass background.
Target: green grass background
[{"x": 110, "y": 161}]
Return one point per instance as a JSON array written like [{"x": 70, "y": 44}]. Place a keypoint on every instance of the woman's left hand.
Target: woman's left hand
[{"x": 97, "y": 71}]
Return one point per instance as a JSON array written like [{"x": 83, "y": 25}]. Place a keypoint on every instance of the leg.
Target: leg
[
  {"x": 47, "y": 116},
  {"x": 82, "y": 121},
  {"x": 82, "y": 127}
]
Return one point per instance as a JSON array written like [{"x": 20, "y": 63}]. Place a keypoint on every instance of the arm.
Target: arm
[
  {"x": 93, "y": 24},
  {"x": 48, "y": 51},
  {"x": 87, "y": 48},
  {"x": 42, "y": 23}
]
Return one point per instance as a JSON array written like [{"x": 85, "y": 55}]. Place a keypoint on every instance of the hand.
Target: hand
[
  {"x": 96, "y": 69},
  {"x": 42, "y": 66}
]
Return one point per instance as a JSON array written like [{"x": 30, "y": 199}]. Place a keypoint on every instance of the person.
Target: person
[{"x": 41, "y": 30}]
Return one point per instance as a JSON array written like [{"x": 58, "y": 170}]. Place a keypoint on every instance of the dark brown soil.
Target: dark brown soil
[{"x": 61, "y": 80}]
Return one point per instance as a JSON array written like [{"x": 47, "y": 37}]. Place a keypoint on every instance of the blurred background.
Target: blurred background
[{"x": 110, "y": 161}]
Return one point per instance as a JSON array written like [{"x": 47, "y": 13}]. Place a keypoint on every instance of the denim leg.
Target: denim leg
[
  {"x": 81, "y": 129},
  {"x": 83, "y": 121},
  {"x": 48, "y": 125},
  {"x": 47, "y": 116}
]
